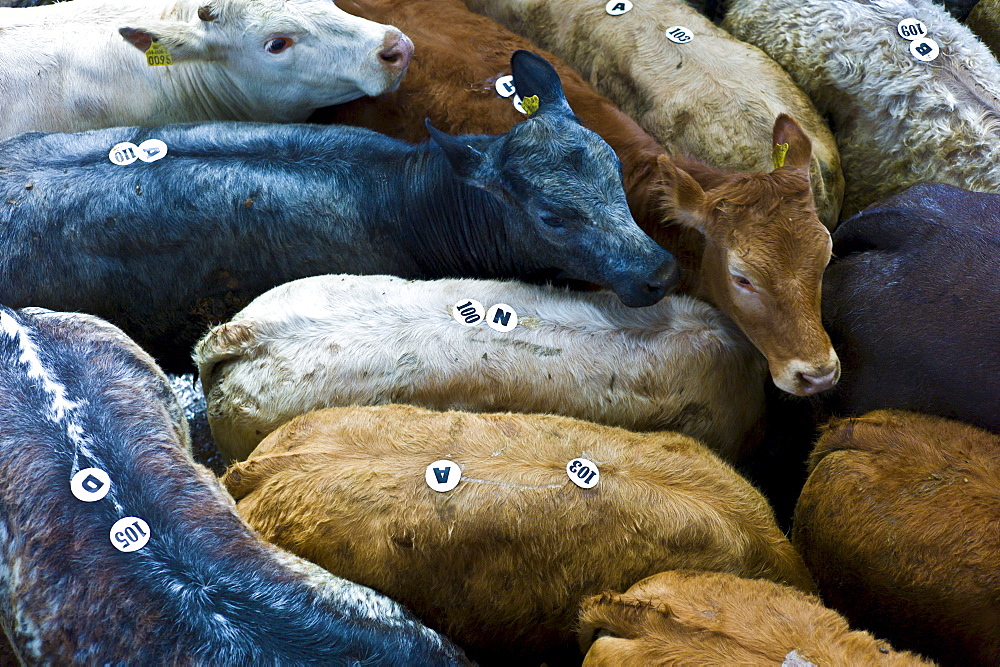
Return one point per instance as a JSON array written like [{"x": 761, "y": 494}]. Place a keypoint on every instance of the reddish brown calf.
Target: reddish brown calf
[{"x": 900, "y": 524}]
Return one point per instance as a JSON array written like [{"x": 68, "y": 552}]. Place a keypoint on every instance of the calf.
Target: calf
[
  {"x": 501, "y": 561},
  {"x": 898, "y": 522},
  {"x": 330, "y": 341},
  {"x": 751, "y": 244},
  {"x": 80, "y": 65},
  {"x": 714, "y": 99},
  {"x": 913, "y": 306},
  {"x": 78, "y": 587},
  {"x": 714, "y": 618},
  {"x": 165, "y": 249},
  {"x": 898, "y": 121}
]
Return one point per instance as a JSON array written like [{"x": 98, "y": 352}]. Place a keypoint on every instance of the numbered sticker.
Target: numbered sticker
[
  {"x": 443, "y": 475},
  {"x": 924, "y": 49},
  {"x": 468, "y": 312},
  {"x": 501, "y": 317},
  {"x": 124, "y": 153},
  {"x": 679, "y": 34},
  {"x": 505, "y": 86},
  {"x": 911, "y": 28},
  {"x": 151, "y": 150},
  {"x": 583, "y": 473},
  {"x": 129, "y": 534},
  {"x": 519, "y": 106},
  {"x": 618, "y": 7},
  {"x": 90, "y": 484}
]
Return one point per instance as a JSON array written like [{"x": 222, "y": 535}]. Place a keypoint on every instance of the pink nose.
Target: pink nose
[
  {"x": 813, "y": 384},
  {"x": 397, "y": 49}
]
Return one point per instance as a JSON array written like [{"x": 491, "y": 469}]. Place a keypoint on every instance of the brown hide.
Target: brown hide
[
  {"x": 712, "y": 618},
  {"x": 459, "y": 55},
  {"x": 900, "y": 524},
  {"x": 984, "y": 20},
  {"x": 501, "y": 562}
]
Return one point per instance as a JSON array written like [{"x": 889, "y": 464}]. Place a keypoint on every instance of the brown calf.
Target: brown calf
[
  {"x": 502, "y": 561},
  {"x": 766, "y": 248},
  {"x": 713, "y": 618},
  {"x": 713, "y": 98},
  {"x": 900, "y": 524}
]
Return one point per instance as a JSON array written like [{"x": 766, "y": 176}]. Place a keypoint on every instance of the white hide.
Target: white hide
[
  {"x": 66, "y": 67},
  {"x": 331, "y": 341},
  {"x": 898, "y": 121}
]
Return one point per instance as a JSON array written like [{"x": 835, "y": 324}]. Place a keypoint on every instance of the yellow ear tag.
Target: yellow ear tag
[
  {"x": 779, "y": 155},
  {"x": 530, "y": 104},
  {"x": 157, "y": 55}
]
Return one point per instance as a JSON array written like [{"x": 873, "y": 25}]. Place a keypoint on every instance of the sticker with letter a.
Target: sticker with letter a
[
  {"x": 443, "y": 475},
  {"x": 618, "y": 7},
  {"x": 157, "y": 55}
]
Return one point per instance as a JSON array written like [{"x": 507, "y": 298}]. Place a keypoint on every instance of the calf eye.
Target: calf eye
[
  {"x": 277, "y": 45},
  {"x": 553, "y": 221},
  {"x": 743, "y": 282}
]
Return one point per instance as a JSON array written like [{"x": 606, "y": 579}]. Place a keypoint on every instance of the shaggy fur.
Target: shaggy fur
[
  {"x": 451, "y": 81},
  {"x": 912, "y": 303},
  {"x": 714, "y": 618},
  {"x": 502, "y": 561},
  {"x": 898, "y": 121},
  {"x": 332, "y": 341},
  {"x": 714, "y": 99},
  {"x": 66, "y": 68},
  {"x": 76, "y": 393},
  {"x": 899, "y": 524}
]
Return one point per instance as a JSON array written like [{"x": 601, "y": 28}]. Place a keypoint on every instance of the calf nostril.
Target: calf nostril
[
  {"x": 813, "y": 384},
  {"x": 397, "y": 49}
]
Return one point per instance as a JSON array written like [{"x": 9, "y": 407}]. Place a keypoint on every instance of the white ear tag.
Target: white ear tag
[
  {"x": 468, "y": 312},
  {"x": 505, "y": 86},
  {"x": 152, "y": 150},
  {"x": 443, "y": 475},
  {"x": 911, "y": 28},
  {"x": 679, "y": 34},
  {"x": 90, "y": 484},
  {"x": 124, "y": 153},
  {"x": 618, "y": 7},
  {"x": 924, "y": 49},
  {"x": 583, "y": 473},
  {"x": 129, "y": 534},
  {"x": 501, "y": 317}
]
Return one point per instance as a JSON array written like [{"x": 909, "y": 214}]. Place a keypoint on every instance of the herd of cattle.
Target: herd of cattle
[{"x": 707, "y": 221}]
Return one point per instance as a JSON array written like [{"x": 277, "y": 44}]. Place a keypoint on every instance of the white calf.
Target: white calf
[{"x": 331, "y": 341}]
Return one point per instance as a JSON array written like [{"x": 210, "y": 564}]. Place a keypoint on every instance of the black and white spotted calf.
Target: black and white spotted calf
[{"x": 75, "y": 393}]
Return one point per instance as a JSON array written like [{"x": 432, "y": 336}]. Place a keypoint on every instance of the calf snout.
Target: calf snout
[
  {"x": 654, "y": 286},
  {"x": 397, "y": 49},
  {"x": 820, "y": 381}
]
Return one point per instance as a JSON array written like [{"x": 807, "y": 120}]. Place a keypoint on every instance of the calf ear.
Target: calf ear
[
  {"x": 681, "y": 195},
  {"x": 468, "y": 163},
  {"x": 798, "y": 154},
  {"x": 533, "y": 75},
  {"x": 183, "y": 41}
]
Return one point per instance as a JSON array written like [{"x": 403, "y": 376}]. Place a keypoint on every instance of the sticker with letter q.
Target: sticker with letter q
[
  {"x": 618, "y": 7},
  {"x": 911, "y": 28},
  {"x": 152, "y": 150},
  {"x": 924, "y": 49},
  {"x": 90, "y": 484},
  {"x": 583, "y": 473},
  {"x": 124, "y": 153},
  {"x": 129, "y": 534},
  {"x": 443, "y": 475}
]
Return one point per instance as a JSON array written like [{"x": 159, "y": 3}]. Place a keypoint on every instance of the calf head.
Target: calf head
[
  {"x": 565, "y": 186},
  {"x": 765, "y": 253},
  {"x": 287, "y": 56}
]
